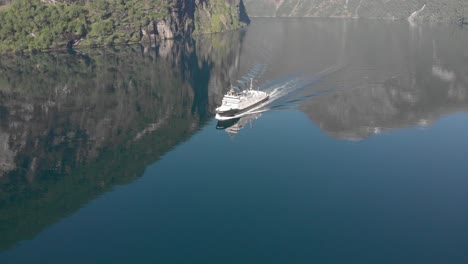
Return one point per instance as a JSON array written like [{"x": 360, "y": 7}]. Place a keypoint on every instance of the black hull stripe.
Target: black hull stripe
[{"x": 236, "y": 112}]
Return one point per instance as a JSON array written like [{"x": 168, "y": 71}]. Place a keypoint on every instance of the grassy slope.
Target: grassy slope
[{"x": 216, "y": 16}]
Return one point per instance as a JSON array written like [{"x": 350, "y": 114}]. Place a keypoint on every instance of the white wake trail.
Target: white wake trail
[{"x": 281, "y": 88}]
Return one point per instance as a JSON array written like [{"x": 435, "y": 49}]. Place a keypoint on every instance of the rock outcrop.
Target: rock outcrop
[
  {"x": 198, "y": 17},
  {"x": 219, "y": 15}
]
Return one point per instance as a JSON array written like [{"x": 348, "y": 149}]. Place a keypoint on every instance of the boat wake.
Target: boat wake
[
  {"x": 286, "y": 92},
  {"x": 254, "y": 74}
]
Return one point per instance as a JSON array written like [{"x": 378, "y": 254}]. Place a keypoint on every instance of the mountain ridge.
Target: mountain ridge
[{"x": 450, "y": 11}]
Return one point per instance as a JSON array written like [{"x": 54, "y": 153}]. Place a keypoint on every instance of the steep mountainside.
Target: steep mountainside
[
  {"x": 45, "y": 24},
  {"x": 434, "y": 10}
]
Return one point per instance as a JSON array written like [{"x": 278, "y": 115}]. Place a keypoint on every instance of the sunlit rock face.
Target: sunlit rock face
[{"x": 434, "y": 10}]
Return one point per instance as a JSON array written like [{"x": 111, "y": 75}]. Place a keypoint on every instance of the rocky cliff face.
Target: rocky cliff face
[
  {"x": 219, "y": 15},
  {"x": 433, "y": 10},
  {"x": 197, "y": 17}
]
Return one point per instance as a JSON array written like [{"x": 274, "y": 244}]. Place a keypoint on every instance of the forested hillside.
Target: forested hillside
[{"x": 37, "y": 25}]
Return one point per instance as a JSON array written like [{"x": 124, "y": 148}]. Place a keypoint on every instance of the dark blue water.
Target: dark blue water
[{"x": 360, "y": 157}]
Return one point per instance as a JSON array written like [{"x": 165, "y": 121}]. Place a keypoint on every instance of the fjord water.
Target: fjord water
[{"x": 113, "y": 156}]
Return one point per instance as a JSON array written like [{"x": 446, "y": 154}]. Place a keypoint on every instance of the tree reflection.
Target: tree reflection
[{"x": 73, "y": 126}]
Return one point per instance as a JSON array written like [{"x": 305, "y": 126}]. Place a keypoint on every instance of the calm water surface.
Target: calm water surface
[{"x": 360, "y": 156}]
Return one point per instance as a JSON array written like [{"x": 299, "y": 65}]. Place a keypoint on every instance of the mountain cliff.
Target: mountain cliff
[
  {"x": 423, "y": 10},
  {"x": 44, "y": 24}
]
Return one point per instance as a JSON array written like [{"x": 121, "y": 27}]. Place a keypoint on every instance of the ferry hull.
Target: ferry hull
[{"x": 233, "y": 113}]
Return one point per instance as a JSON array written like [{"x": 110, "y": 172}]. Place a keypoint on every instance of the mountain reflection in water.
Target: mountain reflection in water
[
  {"x": 74, "y": 126},
  {"x": 355, "y": 78},
  {"x": 409, "y": 81},
  {"x": 233, "y": 126}
]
